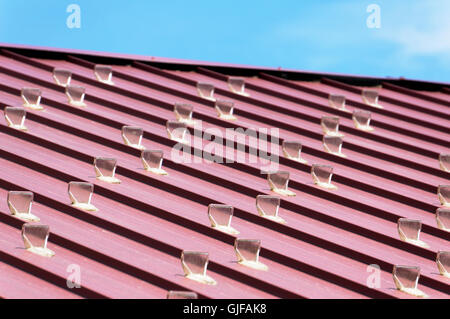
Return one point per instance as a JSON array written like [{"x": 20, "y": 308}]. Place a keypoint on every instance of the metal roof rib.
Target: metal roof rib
[{"x": 131, "y": 245}]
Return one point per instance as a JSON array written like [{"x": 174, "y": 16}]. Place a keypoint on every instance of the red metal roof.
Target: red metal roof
[{"x": 131, "y": 246}]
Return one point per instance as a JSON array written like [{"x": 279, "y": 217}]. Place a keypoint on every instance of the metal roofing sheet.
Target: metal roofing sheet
[{"x": 143, "y": 224}]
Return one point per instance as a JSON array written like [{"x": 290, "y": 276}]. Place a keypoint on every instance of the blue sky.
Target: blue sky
[{"x": 413, "y": 40}]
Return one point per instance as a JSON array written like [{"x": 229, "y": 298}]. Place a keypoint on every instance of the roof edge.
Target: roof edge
[{"x": 231, "y": 68}]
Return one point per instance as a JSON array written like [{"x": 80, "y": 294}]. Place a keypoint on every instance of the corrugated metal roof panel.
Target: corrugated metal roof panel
[{"x": 144, "y": 223}]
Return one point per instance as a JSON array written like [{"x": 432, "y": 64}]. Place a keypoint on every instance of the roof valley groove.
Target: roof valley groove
[
  {"x": 314, "y": 247},
  {"x": 127, "y": 77},
  {"x": 73, "y": 131},
  {"x": 359, "y": 105},
  {"x": 117, "y": 196},
  {"x": 436, "y": 171}
]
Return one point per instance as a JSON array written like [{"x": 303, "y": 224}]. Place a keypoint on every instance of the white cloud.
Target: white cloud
[
  {"x": 420, "y": 29},
  {"x": 413, "y": 41},
  {"x": 417, "y": 42}
]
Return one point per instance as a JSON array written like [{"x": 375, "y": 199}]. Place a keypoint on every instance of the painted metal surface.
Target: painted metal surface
[{"x": 144, "y": 223}]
